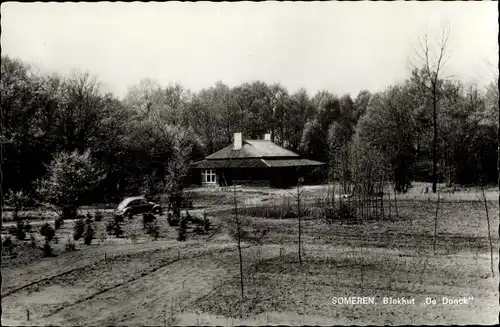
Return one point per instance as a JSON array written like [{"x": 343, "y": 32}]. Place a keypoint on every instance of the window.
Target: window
[
  {"x": 134, "y": 203},
  {"x": 209, "y": 176}
]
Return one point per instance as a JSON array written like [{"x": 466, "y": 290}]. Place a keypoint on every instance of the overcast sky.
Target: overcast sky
[{"x": 342, "y": 47}]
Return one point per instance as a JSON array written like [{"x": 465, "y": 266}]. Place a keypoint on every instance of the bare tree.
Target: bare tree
[
  {"x": 436, "y": 223},
  {"x": 238, "y": 237},
  {"x": 298, "y": 197},
  {"x": 485, "y": 202},
  {"x": 430, "y": 79}
]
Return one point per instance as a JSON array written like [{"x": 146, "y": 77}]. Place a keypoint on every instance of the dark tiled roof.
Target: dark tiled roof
[
  {"x": 291, "y": 162},
  {"x": 254, "y": 163},
  {"x": 253, "y": 149},
  {"x": 224, "y": 163}
]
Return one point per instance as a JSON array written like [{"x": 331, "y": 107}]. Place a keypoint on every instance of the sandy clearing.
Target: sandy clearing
[{"x": 145, "y": 301}]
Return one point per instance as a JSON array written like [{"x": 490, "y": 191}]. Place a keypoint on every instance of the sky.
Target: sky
[{"x": 342, "y": 47}]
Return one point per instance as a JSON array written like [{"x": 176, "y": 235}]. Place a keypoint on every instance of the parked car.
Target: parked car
[{"x": 136, "y": 205}]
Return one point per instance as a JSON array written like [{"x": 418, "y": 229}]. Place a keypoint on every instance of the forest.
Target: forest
[{"x": 426, "y": 128}]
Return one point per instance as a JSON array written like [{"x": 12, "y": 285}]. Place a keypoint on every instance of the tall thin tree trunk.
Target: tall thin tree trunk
[
  {"x": 434, "y": 140},
  {"x": 489, "y": 231},
  {"x": 435, "y": 224},
  {"x": 238, "y": 231},
  {"x": 300, "y": 222}
]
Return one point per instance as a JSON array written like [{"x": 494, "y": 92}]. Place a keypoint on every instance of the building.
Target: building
[{"x": 252, "y": 162}]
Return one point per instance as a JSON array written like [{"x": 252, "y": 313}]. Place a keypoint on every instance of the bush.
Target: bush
[
  {"x": 8, "y": 244},
  {"x": 118, "y": 219},
  {"x": 133, "y": 237},
  {"x": 114, "y": 228},
  {"x": 47, "y": 249},
  {"x": 147, "y": 218},
  {"x": 48, "y": 232},
  {"x": 89, "y": 234},
  {"x": 20, "y": 233},
  {"x": 181, "y": 236},
  {"x": 33, "y": 242},
  {"x": 184, "y": 223},
  {"x": 12, "y": 230},
  {"x": 345, "y": 212},
  {"x": 78, "y": 229},
  {"x": 342, "y": 212},
  {"x": 206, "y": 222},
  {"x": 153, "y": 230},
  {"x": 58, "y": 223},
  {"x": 98, "y": 216},
  {"x": 69, "y": 246},
  {"x": 172, "y": 221},
  {"x": 199, "y": 230},
  {"x": 28, "y": 228},
  {"x": 89, "y": 216},
  {"x": 290, "y": 214}
]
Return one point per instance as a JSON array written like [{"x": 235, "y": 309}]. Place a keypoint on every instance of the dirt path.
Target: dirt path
[{"x": 142, "y": 297}]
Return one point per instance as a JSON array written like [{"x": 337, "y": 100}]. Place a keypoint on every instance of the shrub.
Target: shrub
[
  {"x": 78, "y": 229},
  {"x": 199, "y": 230},
  {"x": 48, "y": 232},
  {"x": 114, "y": 228},
  {"x": 118, "y": 219},
  {"x": 47, "y": 249},
  {"x": 89, "y": 216},
  {"x": 153, "y": 230},
  {"x": 58, "y": 223},
  {"x": 133, "y": 237},
  {"x": 345, "y": 212},
  {"x": 184, "y": 223},
  {"x": 342, "y": 212},
  {"x": 290, "y": 214},
  {"x": 206, "y": 222},
  {"x": 172, "y": 221},
  {"x": 69, "y": 246},
  {"x": 110, "y": 227},
  {"x": 98, "y": 216},
  {"x": 147, "y": 218},
  {"x": 12, "y": 230},
  {"x": 8, "y": 244},
  {"x": 181, "y": 236},
  {"x": 89, "y": 234},
  {"x": 27, "y": 227},
  {"x": 20, "y": 233},
  {"x": 33, "y": 242}
]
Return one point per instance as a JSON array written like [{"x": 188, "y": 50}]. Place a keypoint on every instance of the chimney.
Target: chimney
[
  {"x": 237, "y": 141},
  {"x": 267, "y": 137}
]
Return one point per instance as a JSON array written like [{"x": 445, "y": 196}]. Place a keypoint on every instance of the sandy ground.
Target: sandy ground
[{"x": 165, "y": 282}]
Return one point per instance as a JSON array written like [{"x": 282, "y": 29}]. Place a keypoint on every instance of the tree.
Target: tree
[
  {"x": 181, "y": 142},
  {"x": 69, "y": 182},
  {"x": 301, "y": 109},
  {"x": 389, "y": 126},
  {"x": 361, "y": 103},
  {"x": 430, "y": 79}
]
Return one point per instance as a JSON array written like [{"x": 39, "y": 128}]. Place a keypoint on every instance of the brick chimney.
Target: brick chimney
[
  {"x": 238, "y": 141},
  {"x": 267, "y": 137}
]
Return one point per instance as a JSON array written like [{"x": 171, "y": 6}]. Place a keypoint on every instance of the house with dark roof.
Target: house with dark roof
[{"x": 253, "y": 161}]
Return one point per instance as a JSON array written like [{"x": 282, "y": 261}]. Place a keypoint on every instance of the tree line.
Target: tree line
[{"x": 144, "y": 142}]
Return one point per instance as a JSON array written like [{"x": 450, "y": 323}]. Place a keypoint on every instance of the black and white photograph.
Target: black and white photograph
[{"x": 327, "y": 163}]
